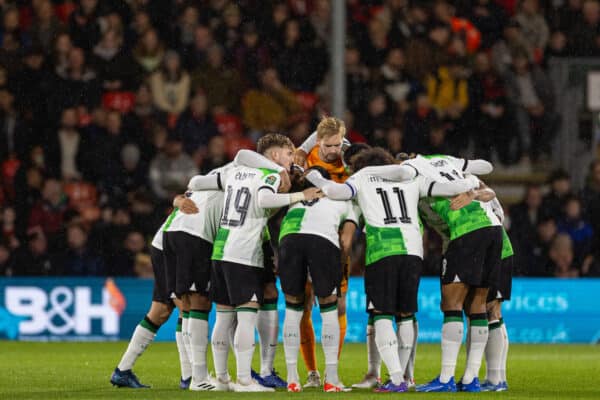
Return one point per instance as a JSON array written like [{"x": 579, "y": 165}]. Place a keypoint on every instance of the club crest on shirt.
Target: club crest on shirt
[{"x": 270, "y": 180}]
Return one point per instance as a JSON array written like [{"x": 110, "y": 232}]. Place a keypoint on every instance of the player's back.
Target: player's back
[
  {"x": 390, "y": 210},
  {"x": 321, "y": 217},
  {"x": 239, "y": 238}
]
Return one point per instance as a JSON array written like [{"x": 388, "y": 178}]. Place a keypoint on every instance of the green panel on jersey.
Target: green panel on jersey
[
  {"x": 292, "y": 222},
  {"x": 170, "y": 219},
  {"x": 430, "y": 156},
  {"x": 219, "y": 244},
  {"x": 384, "y": 242},
  {"x": 507, "y": 249},
  {"x": 266, "y": 234},
  {"x": 267, "y": 171},
  {"x": 463, "y": 221}
]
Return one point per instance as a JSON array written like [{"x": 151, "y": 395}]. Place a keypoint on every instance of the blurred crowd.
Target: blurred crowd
[{"x": 108, "y": 107}]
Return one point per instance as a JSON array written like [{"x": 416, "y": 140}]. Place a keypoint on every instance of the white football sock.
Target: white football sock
[
  {"x": 452, "y": 335},
  {"x": 504, "y": 351},
  {"x": 268, "y": 329},
  {"x": 409, "y": 371},
  {"x": 479, "y": 337},
  {"x": 184, "y": 362},
  {"x": 406, "y": 338},
  {"x": 185, "y": 333},
  {"x": 198, "y": 332},
  {"x": 330, "y": 340},
  {"x": 291, "y": 340},
  {"x": 373, "y": 357},
  {"x": 493, "y": 353},
  {"x": 221, "y": 341},
  {"x": 243, "y": 343},
  {"x": 142, "y": 336},
  {"x": 387, "y": 344}
]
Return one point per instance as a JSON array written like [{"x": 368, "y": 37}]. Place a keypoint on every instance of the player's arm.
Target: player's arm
[
  {"x": 269, "y": 198},
  {"x": 429, "y": 187},
  {"x": 394, "y": 172},
  {"x": 475, "y": 167},
  {"x": 331, "y": 189},
  {"x": 497, "y": 209},
  {"x": 206, "y": 182},
  {"x": 346, "y": 236},
  {"x": 483, "y": 193},
  {"x": 185, "y": 204}
]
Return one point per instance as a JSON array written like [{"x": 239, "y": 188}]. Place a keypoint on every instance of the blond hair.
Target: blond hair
[{"x": 330, "y": 126}]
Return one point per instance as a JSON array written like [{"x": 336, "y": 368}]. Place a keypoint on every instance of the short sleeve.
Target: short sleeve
[
  {"x": 270, "y": 181},
  {"x": 425, "y": 186}
]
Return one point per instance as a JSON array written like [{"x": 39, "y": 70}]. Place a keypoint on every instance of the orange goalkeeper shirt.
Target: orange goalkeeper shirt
[{"x": 336, "y": 169}]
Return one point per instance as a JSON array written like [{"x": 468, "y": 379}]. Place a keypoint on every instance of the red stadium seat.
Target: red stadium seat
[
  {"x": 64, "y": 10},
  {"x": 230, "y": 126},
  {"x": 120, "y": 101},
  {"x": 307, "y": 100},
  {"x": 233, "y": 145}
]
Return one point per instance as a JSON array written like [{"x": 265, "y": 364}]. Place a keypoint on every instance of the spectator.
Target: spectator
[
  {"x": 489, "y": 112},
  {"x": 14, "y": 133},
  {"x": 171, "y": 170},
  {"x": 524, "y": 219},
  {"x": 553, "y": 203},
  {"x": 590, "y": 197},
  {"x": 584, "y": 38},
  {"x": 579, "y": 230},
  {"x": 46, "y": 25},
  {"x": 374, "y": 47},
  {"x": 397, "y": 84},
  {"x": 49, "y": 212},
  {"x": 10, "y": 25},
  {"x": 561, "y": 258},
  {"x": 418, "y": 122},
  {"x": 170, "y": 85},
  {"x": 437, "y": 140},
  {"x": 69, "y": 148},
  {"x": 195, "y": 126},
  {"x": 150, "y": 51},
  {"x": 195, "y": 55},
  {"x": 186, "y": 27},
  {"x": 31, "y": 89},
  {"x": 123, "y": 263},
  {"x": 221, "y": 85},
  {"x": 513, "y": 42},
  {"x": 394, "y": 140},
  {"x": 34, "y": 259},
  {"x": 7, "y": 261},
  {"x": 534, "y": 27},
  {"x": 76, "y": 83},
  {"x": 271, "y": 107},
  {"x": 320, "y": 20},
  {"x": 532, "y": 97},
  {"x": 489, "y": 18},
  {"x": 538, "y": 260},
  {"x": 29, "y": 179},
  {"x": 144, "y": 118},
  {"x": 251, "y": 56},
  {"x": 376, "y": 120},
  {"x": 84, "y": 25},
  {"x": 80, "y": 259},
  {"x": 116, "y": 68},
  {"x": 229, "y": 32},
  {"x": 216, "y": 155},
  {"x": 62, "y": 46}
]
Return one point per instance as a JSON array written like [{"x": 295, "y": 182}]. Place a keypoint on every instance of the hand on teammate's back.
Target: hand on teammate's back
[
  {"x": 462, "y": 200},
  {"x": 300, "y": 158},
  {"x": 312, "y": 194},
  {"x": 187, "y": 206},
  {"x": 286, "y": 183}
]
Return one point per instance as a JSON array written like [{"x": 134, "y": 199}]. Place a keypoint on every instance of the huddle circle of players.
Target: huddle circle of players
[{"x": 217, "y": 247}]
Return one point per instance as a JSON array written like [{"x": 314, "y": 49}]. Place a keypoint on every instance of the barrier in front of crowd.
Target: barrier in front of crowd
[{"x": 96, "y": 309}]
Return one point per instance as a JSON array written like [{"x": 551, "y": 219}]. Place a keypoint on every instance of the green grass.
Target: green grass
[{"x": 82, "y": 370}]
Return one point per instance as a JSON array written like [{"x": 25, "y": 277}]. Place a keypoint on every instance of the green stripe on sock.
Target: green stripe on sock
[
  {"x": 479, "y": 322},
  {"x": 328, "y": 309},
  {"x": 199, "y": 315},
  {"x": 370, "y": 321},
  {"x": 414, "y": 318},
  {"x": 495, "y": 325},
  {"x": 178, "y": 328},
  {"x": 452, "y": 319},
  {"x": 379, "y": 317},
  {"x": 501, "y": 321},
  {"x": 295, "y": 308},
  {"x": 225, "y": 311},
  {"x": 185, "y": 314},
  {"x": 411, "y": 318},
  {"x": 268, "y": 307},
  {"x": 246, "y": 309},
  {"x": 146, "y": 325}
]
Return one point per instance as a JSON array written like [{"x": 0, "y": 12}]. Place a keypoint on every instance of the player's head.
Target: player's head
[
  {"x": 352, "y": 151},
  {"x": 372, "y": 157},
  {"x": 277, "y": 148},
  {"x": 330, "y": 137}
]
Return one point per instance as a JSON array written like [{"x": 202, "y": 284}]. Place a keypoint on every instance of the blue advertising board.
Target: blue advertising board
[{"x": 90, "y": 309}]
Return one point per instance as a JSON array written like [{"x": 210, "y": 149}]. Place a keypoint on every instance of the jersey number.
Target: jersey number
[
  {"x": 449, "y": 176},
  {"x": 389, "y": 217},
  {"x": 241, "y": 203}
]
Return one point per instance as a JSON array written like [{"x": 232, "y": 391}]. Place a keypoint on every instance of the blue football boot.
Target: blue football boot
[
  {"x": 184, "y": 384},
  {"x": 473, "y": 387},
  {"x": 126, "y": 379},
  {"x": 437, "y": 386},
  {"x": 273, "y": 380},
  {"x": 389, "y": 387}
]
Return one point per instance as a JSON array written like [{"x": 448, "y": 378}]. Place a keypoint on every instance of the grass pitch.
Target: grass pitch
[{"x": 82, "y": 371}]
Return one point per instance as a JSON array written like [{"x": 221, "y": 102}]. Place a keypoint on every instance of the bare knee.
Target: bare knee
[
  {"x": 159, "y": 312},
  {"x": 199, "y": 302},
  {"x": 494, "y": 310},
  {"x": 270, "y": 291},
  {"x": 294, "y": 299}
]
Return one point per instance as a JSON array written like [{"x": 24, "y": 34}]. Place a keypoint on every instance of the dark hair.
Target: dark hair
[
  {"x": 299, "y": 183},
  {"x": 372, "y": 157},
  {"x": 558, "y": 175},
  {"x": 353, "y": 150},
  {"x": 273, "y": 140}
]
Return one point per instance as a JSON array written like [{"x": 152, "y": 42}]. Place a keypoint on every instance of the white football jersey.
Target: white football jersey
[
  {"x": 240, "y": 235},
  {"x": 157, "y": 240},
  {"x": 205, "y": 223},
  {"x": 321, "y": 217},
  {"x": 436, "y": 211},
  {"x": 390, "y": 210}
]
